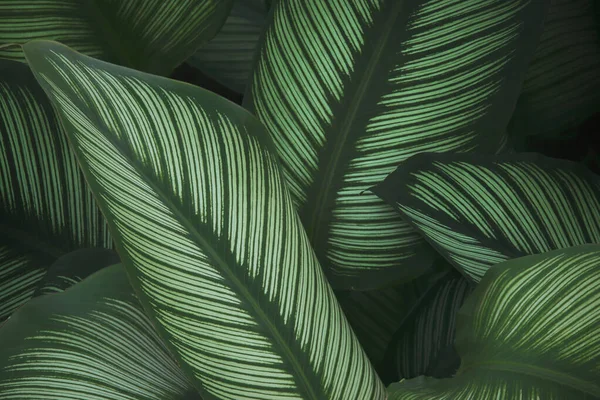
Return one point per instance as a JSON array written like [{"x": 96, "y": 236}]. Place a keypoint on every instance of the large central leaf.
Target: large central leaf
[
  {"x": 349, "y": 89},
  {"x": 203, "y": 224}
]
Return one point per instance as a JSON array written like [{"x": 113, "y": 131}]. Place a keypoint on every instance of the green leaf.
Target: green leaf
[
  {"x": 73, "y": 267},
  {"x": 90, "y": 342},
  {"x": 530, "y": 330},
  {"x": 349, "y": 89},
  {"x": 228, "y": 57},
  {"x": 479, "y": 210},
  {"x": 376, "y": 315},
  {"x": 149, "y": 35},
  {"x": 207, "y": 232},
  {"x": 424, "y": 343},
  {"x": 562, "y": 87},
  {"x": 46, "y": 208}
]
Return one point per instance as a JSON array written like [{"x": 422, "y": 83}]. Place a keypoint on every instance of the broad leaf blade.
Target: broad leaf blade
[
  {"x": 562, "y": 87},
  {"x": 228, "y": 57},
  {"x": 46, "y": 208},
  {"x": 74, "y": 267},
  {"x": 207, "y": 232},
  {"x": 481, "y": 210},
  {"x": 348, "y": 90},
  {"x": 153, "y": 36},
  {"x": 531, "y": 329},
  {"x": 91, "y": 342}
]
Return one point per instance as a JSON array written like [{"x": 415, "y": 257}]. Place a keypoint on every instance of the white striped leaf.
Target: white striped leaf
[
  {"x": 530, "y": 330},
  {"x": 228, "y": 57},
  {"x": 91, "y": 342},
  {"x": 46, "y": 208},
  {"x": 149, "y": 35},
  {"x": 349, "y": 89},
  {"x": 207, "y": 231},
  {"x": 479, "y": 210},
  {"x": 562, "y": 86},
  {"x": 74, "y": 267},
  {"x": 424, "y": 343}
]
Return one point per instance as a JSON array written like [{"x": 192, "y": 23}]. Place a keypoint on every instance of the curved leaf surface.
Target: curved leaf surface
[
  {"x": 480, "y": 210},
  {"x": 424, "y": 344},
  {"x": 46, "y": 208},
  {"x": 562, "y": 86},
  {"x": 74, "y": 267},
  {"x": 90, "y": 342},
  {"x": 530, "y": 330},
  {"x": 228, "y": 57},
  {"x": 348, "y": 90},
  {"x": 207, "y": 231},
  {"x": 149, "y": 35}
]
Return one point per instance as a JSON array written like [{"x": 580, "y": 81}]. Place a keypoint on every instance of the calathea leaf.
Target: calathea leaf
[
  {"x": 46, "y": 208},
  {"x": 480, "y": 210},
  {"x": 73, "y": 267},
  {"x": 349, "y": 89},
  {"x": 149, "y": 35},
  {"x": 562, "y": 87},
  {"x": 530, "y": 330},
  {"x": 424, "y": 342},
  {"x": 228, "y": 57},
  {"x": 90, "y": 342},
  {"x": 207, "y": 232}
]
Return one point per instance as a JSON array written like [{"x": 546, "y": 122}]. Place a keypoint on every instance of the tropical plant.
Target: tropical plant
[{"x": 372, "y": 213}]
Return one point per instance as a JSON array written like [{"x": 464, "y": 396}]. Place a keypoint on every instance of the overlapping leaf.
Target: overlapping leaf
[
  {"x": 424, "y": 344},
  {"x": 74, "y": 267},
  {"x": 348, "y": 90},
  {"x": 228, "y": 57},
  {"x": 480, "y": 210},
  {"x": 562, "y": 87},
  {"x": 530, "y": 330},
  {"x": 149, "y": 35},
  {"x": 207, "y": 231},
  {"x": 46, "y": 208},
  {"x": 91, "y": 342}
]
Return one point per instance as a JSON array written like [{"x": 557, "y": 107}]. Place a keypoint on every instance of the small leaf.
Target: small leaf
[{"x": 479, "y": 210}]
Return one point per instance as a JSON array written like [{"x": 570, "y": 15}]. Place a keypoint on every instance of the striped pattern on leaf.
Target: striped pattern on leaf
[
  {"x": 90, "y": 342},
  {"x": 228, "y": 57},
  {"x": 562, "y": 87},
  {"x": 46, "y": 208},
  {"x": 207, "y": 231},
  {"x": 73, "y": 267},
  {"x": 423, "y": 345},
  {"x": 481, "y": 210},
  {"x": 349, "y": 89},
  {"x": 149, "y": 35},
  {"x": 530, "y": 330}
]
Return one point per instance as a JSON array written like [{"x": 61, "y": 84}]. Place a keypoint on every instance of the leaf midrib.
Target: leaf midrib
[
  {"x": 241, "y": 288},
  {"x": 535, "y": 371},
  {"x": 325, "y": 192}
]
